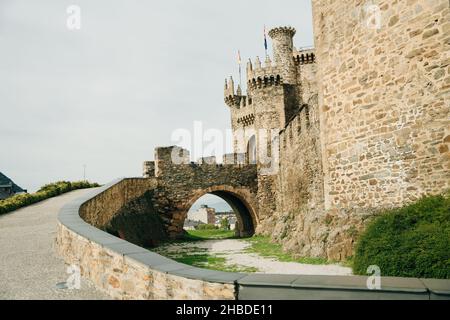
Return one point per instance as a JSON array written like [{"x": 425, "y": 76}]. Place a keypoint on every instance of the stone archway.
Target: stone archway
[{"x": 240, "y": 200}]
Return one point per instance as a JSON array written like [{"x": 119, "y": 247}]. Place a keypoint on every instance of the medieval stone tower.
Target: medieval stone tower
[
  {"x": 363, "y": 128},
  {"x": 321, "y": 145},
  {"x": 278, "y": 91}
]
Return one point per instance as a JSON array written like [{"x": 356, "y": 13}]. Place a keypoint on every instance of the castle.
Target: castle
[
  {"x": 359, "y": 124},
  {"x": 282, "y": 97},
  {"x": 362, "y": 123}
]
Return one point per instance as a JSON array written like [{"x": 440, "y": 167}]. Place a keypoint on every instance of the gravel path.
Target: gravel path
[
  {"x": 233, "y": 251},
  {"x": 29, "y": 265}
]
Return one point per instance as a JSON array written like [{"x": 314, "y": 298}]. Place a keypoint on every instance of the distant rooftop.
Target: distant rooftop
[{"x": 7, "y": 182}]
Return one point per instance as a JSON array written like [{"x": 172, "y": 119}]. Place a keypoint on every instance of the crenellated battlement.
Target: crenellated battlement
[
  {"x": 238, "y": 102},
  {"x": 269, "y": 74},
  {"x": 261, "y": 76},
  {"x": 278, "y": 32},
  {"x": 304, "y": 57},
  {"x": 246, "y": 120},
  {"x": 229, "y": 88},
  {"x": 148, "y": 169},
  {"x": 301, "y": 124},
  {"x": 170, "y": 160},
  {"x": 235, "y": 98},
  {"x": 277, "y": 85},
  {"x": 282, "y": 70}
]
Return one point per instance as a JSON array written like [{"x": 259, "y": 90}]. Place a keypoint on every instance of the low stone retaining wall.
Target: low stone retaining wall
[{"x": 127, "y": 271}]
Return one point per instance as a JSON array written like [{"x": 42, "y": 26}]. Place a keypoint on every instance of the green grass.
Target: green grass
[
  {"x": 46, "y": 192},
  {"x": 264, "y": 247},
  {"x": 209, "y": 234},
  {"x": 413, "y": 241},
  {"x": 212, "y": 262},
  {"x": 198, "y": 257}
]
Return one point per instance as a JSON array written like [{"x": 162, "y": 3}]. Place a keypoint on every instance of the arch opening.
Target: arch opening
[{"x": 240, "y": 216}]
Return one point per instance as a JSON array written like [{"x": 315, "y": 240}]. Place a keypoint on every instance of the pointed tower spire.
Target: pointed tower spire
[
  {"x": 268, "y": 62},
  {"x": 231, "y": 85},
  {"x": 257, "y": 63},
  {"x": 249, "y": 69}
]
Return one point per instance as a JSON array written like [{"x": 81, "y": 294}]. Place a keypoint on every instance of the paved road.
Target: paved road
[{"x": 29, "y": 265}]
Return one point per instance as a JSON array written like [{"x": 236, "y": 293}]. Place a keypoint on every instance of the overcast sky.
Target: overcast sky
[{"x": 106, "y": 95}]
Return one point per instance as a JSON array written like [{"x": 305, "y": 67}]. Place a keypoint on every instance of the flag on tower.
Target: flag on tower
[
  {"x": 265, "y": 39},
  {"x": 240, "y": 69}
]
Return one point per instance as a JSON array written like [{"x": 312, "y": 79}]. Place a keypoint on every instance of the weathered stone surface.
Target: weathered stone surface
[
  {"x": 376, "y": 135},
  {"x": 124, "y": 278},
  {"x": 147, "y": 211}
]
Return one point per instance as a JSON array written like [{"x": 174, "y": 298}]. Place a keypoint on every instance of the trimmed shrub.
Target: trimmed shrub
[
  {"x": 47, "y": 191},
  {"x": 206, "y": 227},
  {"x": 413, "y": 241}
]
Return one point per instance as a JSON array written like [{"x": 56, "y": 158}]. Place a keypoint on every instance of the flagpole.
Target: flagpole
[
  {"x": 265, "y": 41},
  {"x": 240, "y": 76},
  {"x": 240, "y": 68}
]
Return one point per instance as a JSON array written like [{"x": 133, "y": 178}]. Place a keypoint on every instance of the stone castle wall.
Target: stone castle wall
[
  {"x": 299, "y": 187},
  {"x": 384, "y": 99},
  {"x": 180, "y": 185},
  {"x": 120, "y": 268},
  {"x": 126, "y": 271},
  {"x": 276, "y": 91},
  {"x": 381, "y": 98}
]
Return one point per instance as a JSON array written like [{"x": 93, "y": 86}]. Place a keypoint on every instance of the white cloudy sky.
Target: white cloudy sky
[{"x": 108, "y": 94}]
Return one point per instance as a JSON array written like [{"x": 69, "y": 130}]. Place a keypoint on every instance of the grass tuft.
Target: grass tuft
[{"x": 263, "y": 246}]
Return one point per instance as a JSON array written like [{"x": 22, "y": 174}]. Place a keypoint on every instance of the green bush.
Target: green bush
[
  {"x": 47, "y": 191},
  {"x": 206, "y": 227},
  {"x": 413, "y": 241},
  {"x": 224, "y": 224}
]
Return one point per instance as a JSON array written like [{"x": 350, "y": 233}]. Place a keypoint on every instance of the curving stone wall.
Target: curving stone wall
[
  {"x": 126, "y": 271},
  {"x": 127, "y": 210},
  {"x": 122, "y": 269}
]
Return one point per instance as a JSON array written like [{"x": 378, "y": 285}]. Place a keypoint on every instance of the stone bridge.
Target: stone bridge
[
  {"x": 145, "y": 211},
  {"x": 181, "y": 183}
]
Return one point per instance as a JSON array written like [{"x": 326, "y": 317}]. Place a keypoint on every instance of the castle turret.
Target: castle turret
[
  {"x": 283, "y": 50},
  {"x": 229, "y": 88},
  {"x": 249, "y": 69}
]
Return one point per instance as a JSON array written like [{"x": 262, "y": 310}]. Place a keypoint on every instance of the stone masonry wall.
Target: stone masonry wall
[
  {"x": 309, "y": 86},
  {"x": 127, "y": 210},
  {"x": 276, "y": 90},
  {"x": 298, "y": 221},
  {"x": 384, "y": 97},
  {"x": 270, "y": 104},
  {"x": 180, "y": 185},
  {"x": 101, "y": 210},
  {"x": 125, "y": 278}
]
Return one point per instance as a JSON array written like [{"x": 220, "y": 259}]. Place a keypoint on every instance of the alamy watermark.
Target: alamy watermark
[
  {"x": 374, "y": 280},
  {"x": 73, "y": 21},
  {"x": 372, "y": 16},
  {"x": 73, "y": 282},
  {"x": 250, "y": 146}
]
